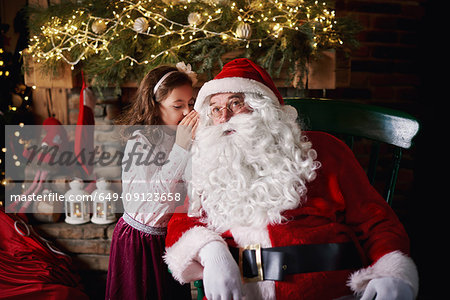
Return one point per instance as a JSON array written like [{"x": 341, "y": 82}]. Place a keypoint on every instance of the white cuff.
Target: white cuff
[
  {"x": 394, "y": 264},
  {"x": 182, "y": 258}
]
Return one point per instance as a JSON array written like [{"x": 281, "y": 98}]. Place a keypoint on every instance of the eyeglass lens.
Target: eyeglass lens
[{"x": 233, "y": 106}]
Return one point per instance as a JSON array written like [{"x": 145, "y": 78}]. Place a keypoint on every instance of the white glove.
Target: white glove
[
  {"x": 388, "y": 288},
  {"x": 221, "y": 276}
]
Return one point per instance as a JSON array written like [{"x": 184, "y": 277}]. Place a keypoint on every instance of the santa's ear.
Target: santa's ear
[{"x": 290, "y": 112}]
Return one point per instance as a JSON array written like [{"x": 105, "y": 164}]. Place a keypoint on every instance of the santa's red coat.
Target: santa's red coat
[{"x": 341, "y": 206}]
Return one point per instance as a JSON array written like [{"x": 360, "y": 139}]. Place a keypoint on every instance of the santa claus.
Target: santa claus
[{"x": 280, "y": 213}]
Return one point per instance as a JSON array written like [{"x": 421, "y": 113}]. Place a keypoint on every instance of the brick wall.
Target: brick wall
[{"x": 384, "y": 70}]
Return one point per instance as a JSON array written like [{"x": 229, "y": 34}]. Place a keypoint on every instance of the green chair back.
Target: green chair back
[{"x": 348, "y": 120}]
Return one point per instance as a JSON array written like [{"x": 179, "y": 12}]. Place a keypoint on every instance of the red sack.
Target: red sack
[{"x": 30, "y": 267}]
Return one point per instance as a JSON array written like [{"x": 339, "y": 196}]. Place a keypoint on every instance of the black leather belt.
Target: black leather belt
[{"x": 258, "y": 263}]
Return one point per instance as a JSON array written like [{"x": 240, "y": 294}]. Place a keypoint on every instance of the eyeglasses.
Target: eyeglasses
[{"x": 233, "y": 106}]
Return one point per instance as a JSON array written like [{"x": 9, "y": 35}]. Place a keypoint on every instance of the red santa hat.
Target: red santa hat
[{"x": 240, "y": 76}]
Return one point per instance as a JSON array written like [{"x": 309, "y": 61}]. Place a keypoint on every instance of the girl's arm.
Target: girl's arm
[{"x": 152, "y": 177}]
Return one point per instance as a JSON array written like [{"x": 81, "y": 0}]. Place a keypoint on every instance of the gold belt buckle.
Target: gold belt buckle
[{"x": 260, "y": 276}]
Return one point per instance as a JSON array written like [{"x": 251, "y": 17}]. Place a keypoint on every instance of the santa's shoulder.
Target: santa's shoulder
[{"x": 324, "y": 142}]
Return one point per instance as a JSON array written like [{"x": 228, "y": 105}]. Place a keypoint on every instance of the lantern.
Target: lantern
[
  {"x": 77, "y": 203},
  {"x": 103, "y": 206}
]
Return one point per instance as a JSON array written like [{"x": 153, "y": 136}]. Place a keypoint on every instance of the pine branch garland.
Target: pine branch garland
[{"x": 104, "y": 39}]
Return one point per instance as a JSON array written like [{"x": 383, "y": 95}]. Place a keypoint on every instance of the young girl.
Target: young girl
[{"x": 153, "y": 164}]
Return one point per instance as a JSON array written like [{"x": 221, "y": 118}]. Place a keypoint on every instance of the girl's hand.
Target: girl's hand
[{"x": 186, "y": 130}]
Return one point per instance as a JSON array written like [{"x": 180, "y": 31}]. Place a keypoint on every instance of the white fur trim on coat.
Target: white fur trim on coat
[
  {"x": 232, "y": 85},
  {"x": 182, "y": 258},
  {"x": 394, "y": 264}
]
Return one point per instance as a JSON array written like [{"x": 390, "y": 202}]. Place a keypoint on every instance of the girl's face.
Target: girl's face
[{"x": 177, "y": 105}]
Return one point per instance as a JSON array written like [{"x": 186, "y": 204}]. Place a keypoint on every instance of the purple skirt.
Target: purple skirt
[{"x": 136, "y": 268}]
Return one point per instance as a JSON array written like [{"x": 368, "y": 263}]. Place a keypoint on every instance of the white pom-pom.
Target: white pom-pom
[{"x": 290, "y": 112}]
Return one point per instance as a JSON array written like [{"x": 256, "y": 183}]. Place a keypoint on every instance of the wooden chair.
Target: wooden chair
[{"x": 350, "y": 120}]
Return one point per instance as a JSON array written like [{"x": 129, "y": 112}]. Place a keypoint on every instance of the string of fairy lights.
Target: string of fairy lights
[{"x": 76, "y": 37}]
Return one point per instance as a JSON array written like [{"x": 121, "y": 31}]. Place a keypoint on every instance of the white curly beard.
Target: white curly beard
[{"x": 247, "y": 171}]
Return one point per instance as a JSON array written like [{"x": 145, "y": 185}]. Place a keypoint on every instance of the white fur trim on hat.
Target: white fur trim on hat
[
  {"x": 232, "y": 85},
  {"x": 394, "y": 264}
]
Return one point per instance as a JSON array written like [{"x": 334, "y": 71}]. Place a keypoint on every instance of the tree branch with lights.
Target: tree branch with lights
[{"x": 121, "y": 40}]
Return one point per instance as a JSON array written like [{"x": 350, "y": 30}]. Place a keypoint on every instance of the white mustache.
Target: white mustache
[{"x": 236, "y": 124}]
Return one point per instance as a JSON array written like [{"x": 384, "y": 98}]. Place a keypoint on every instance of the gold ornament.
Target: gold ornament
[
  {"x": 140, "y": 25},
  {"x": 293, "y": 2},
  {"x": 216, "y": 2},
  {"x": 194, "y": 19},
  {"x": 244, "y": 31},
  {"x": 173, "y": 2},
  {"x": 16, "y": 100},
  {"x": 99, "y": 26}
]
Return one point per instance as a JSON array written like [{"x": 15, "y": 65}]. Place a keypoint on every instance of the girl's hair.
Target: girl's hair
[{"x": 144, "y": 108}]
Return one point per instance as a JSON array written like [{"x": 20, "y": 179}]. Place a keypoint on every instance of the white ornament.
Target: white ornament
[
  {"x": 99, "y": 26},
  {"x": 244, "y": 31},
  {"x": 194, "y": 19},
  {"x": 140, "y": 25}
]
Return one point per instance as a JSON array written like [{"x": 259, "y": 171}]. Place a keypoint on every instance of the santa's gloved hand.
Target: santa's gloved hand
[
  {"x": 221, "y": 276},
  {"x": 388, "y": 288}
]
